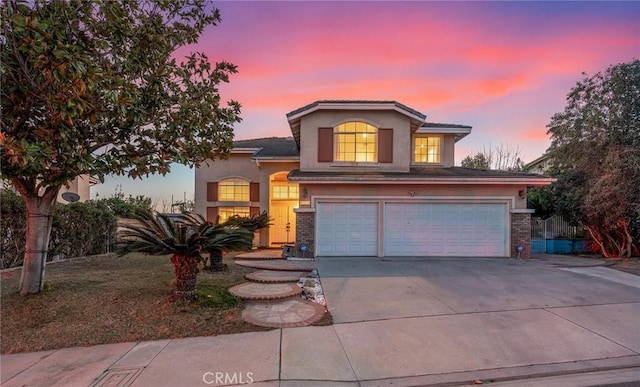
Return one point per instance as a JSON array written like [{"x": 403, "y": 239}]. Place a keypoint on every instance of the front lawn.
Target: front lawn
[{"x": 109, "y": 299}]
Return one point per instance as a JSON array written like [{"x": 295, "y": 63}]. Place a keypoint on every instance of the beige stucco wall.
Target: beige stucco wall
[
  {"x": 448, "y": 150},
  {"x": 402, "y": 140},
  {"x": 80, "y": 185},
  {"x": 238, "y": 165},
  {"x": 310, "y": 123}
]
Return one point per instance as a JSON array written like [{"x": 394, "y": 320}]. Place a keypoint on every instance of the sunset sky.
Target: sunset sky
[{"x": 502, "y": 67}]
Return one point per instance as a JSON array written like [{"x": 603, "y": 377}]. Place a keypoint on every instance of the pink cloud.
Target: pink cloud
[{"x": 539, "y": 132}]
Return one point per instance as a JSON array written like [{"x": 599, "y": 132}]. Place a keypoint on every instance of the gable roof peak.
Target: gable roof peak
[{"x": 355, "y": 104}]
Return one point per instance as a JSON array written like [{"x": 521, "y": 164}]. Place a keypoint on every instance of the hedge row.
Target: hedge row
[{"x": 79, "y": 229}]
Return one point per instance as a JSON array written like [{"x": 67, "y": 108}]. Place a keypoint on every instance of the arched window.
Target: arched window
[
  {"x": 233, "y": 190},
  {"x": 355, "y": 141}
]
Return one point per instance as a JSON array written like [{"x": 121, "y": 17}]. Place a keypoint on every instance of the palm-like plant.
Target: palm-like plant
[
  {"x": 181, "y": 235},
  {"x": 251, "y": 223},
  {"x": 220, "y": 238},
  {"x": 234, "y": 234}
]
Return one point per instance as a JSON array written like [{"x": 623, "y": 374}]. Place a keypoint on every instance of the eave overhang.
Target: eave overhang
[
  {"x": 276, "y": 159},
  {"x": 419, "y": 178},
  {"x": 245, "y": 150},
  {"x": 460, "y": 131}
]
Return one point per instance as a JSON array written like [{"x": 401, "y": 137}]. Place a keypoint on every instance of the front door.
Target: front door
[{"x": 283, "y": 229}]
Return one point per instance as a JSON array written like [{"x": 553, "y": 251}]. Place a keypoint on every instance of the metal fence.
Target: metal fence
[{"x": 555, "y": 235}]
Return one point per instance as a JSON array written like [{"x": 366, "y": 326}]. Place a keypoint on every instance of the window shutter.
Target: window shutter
[
  {"x": 325, "y": 145},
  {"x": 254, "y": 211},
  {"x": 212, "y": 192},
  {"x": 212, "y": 214},
  {"x": 254, "y": 192},
  {"x": 385, "y": 145}
]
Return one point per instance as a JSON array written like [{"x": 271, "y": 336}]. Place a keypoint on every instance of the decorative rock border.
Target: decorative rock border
[{"x": 275, "y": 276}]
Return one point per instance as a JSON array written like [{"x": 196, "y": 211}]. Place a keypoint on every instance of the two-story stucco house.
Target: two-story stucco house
[{"x": 369, "y": 178}]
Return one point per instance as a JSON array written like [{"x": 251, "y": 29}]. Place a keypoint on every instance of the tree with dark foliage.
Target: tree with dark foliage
[
  {"x": 93, "y": 87},
  {"x": 595, "y": 151}
]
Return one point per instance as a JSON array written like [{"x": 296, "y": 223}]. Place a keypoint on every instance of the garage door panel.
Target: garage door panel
[
  {"x": 347, "y": 229},
  {"x": 451, "y": 229}
]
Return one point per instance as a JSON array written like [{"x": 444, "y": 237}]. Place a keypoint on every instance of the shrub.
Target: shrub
[
  {"x": 123, "y": 207},
  {"x": 79, "y": 229},
  {"x": 13, "y": 223}
]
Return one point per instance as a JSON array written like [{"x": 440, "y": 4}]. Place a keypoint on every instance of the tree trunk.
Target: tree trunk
[
  {"x": 215, "y": 260},
  {"x": 39, "y": 220},
  {"x": 186, "y": 271},
  {"x": 613, "y": 242},
  {"x": 186, "y": 287},
  {"x": 628, "y": 239}
]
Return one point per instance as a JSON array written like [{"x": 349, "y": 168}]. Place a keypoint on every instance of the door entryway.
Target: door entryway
[{"x": 283, "y": 199}]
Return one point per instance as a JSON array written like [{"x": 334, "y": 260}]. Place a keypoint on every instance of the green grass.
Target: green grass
[{"x": 109, "y": 299}]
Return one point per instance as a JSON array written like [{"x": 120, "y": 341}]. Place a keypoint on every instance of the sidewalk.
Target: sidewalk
[{"x": 285, "y": 357}]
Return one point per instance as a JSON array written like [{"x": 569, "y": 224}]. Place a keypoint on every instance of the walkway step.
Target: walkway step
[
  {"x": 288, "y": 313},
  {"x": 281, "y": 265},
  {"x": 275, "y": 276},
  {"x": 259, "y": 291},
  {"x": 261, "y": 254}
]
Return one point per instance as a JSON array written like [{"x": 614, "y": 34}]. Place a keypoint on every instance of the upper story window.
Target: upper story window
[
  {"x": 356, "y": 142},
  {"x": 233, "y": 190},
  {"x": 427, "y": 149}
]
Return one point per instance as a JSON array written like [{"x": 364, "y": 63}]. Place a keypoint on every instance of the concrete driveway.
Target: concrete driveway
[{"x": 458, "y": 317}]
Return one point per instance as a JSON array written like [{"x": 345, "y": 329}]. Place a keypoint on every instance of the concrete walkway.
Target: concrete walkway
[{"x": 397, "y": 322}]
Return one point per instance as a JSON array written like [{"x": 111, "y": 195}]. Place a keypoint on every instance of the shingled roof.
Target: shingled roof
[{"x": 270, "y": 147}]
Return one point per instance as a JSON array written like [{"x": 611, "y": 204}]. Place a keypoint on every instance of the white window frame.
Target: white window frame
[
  {"x": 427, "y": 162},
  {"x": 239, "y": 184},
  {"x": 355, "y": 135}
]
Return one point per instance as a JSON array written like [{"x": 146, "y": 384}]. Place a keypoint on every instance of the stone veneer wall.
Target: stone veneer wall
[
  {"x": 521, "y": 234},
  {"x": 305, "y": 231}
]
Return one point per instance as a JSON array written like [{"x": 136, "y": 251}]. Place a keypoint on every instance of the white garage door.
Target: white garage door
[
  {"x": 437, "y": 229},
  {"x": 347, "y": 229}
]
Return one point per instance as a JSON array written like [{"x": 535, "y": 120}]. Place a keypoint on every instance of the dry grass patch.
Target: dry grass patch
[
  {"x": 628, "y": 265},
  {"x": 109, "y": 299}
]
